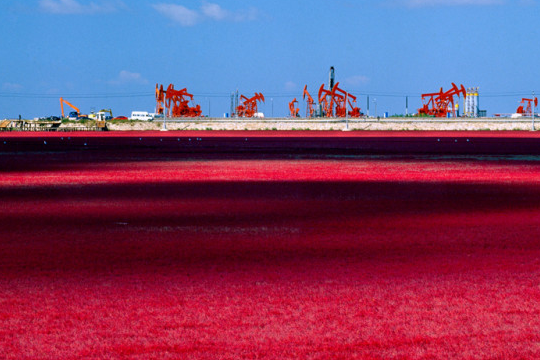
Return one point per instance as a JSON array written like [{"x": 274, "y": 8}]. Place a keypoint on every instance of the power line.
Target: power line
[
  {"x": 227, "y": 95},
  {"x": 73, "y": 96}
]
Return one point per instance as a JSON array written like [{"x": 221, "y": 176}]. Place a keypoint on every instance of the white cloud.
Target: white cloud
[
  {"x": 178, "y": 13},
  {"x": 426, "y": 3},
  {"x": 126, "y": 77},
  {"x": 357, "y": 80},
  {"x": 76, "y": 7},
  {"x": 208, "y": 11},
  {"x": 290, "y": 85},
  {"x": 11, "y": 86},
  {"x": 250, "y": 14},
  {"x": 214, "y": 11}
]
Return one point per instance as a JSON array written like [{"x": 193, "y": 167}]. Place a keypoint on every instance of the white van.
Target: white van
[{"x": 142, "y": 115}]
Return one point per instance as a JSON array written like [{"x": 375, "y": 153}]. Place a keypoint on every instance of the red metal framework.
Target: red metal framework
[
  {"x": 175, "y": 102},
  {"x": 335, "y": 102},
  {"x": 160, "y": 100},
  {"x": 525, "y": 108},
  {"x": 248, "y": 107},
  {"x": 294, "y": 111},
  {"x": 310, "y": 109},
  {"x": 441, "y": 103},
  {"x": 325, "y": 102},
  {"x": 343, "y": 100}
]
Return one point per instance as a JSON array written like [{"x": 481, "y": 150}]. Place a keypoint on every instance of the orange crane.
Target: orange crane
[
  {"x": 248, "y": 107},
  {"x": 74, "y": 115},
  {"x": 310, "y": 103},
  {"x": 293, "y": 109},
  {"x": 527, "y": 111}
]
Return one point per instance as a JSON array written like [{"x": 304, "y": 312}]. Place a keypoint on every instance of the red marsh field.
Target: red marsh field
[{"x": 163, "y": 254}]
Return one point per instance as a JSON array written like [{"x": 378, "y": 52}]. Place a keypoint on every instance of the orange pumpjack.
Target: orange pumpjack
[
  {"x": 175, "y": 102},
  {"x": 440, "y": 103},
  {"x": 293, "y": 109},
  {"x": 527, "y": 111},
  {"x": 310, "y": 103},
  {"x": 335, "y": 102},
  {"x": 248, "y": 107}
]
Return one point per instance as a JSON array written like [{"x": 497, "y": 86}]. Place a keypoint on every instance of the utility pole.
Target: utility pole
[
  {"x": 236, "y": 103},
  {"x": 346, "y": 113},
  {"x": 368, "y": 105},
  {"x": 164, "y": 128},
  {"x": 406, "y": 106},
  {"x": 533, "y": 110}
]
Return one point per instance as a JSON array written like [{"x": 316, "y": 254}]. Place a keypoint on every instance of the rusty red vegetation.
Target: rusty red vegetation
[{"x": 232, "y": 256}]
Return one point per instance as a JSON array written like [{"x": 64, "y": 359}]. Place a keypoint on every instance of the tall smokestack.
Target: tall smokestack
[{"x": 331, "y": 78}]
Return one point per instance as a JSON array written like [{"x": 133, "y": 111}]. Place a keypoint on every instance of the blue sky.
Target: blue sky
[{"x": 111, "y": 53}]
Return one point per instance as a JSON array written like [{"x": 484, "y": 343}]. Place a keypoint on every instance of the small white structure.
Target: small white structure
[{"x": 141, "y": 115}]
